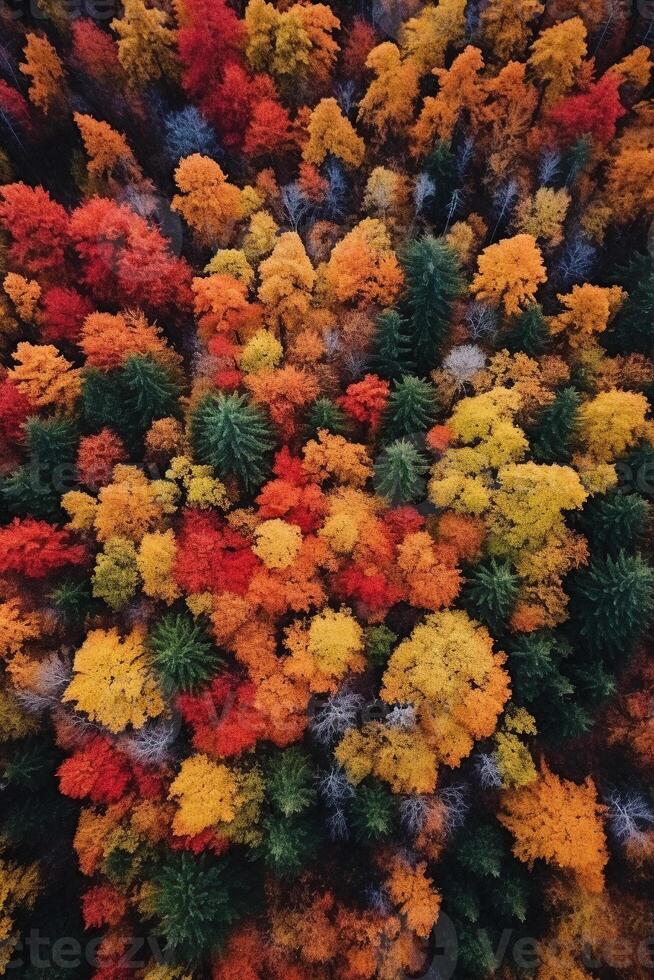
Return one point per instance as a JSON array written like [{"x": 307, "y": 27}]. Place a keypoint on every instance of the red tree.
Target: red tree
[
  {"x": 212, "y": 557},
  {"x": 230, "y": 105},
  {"x": 594, "y": 112},
  {"x": 366, "y": 400},
  {"x": 270, "y": 129},
  {"x": 14, "y": 107},
  {"x": 38, "y": 227},
  {"x": 35, "y": 548},
  {"x": 63, "y": 313},
  {"x": 94, "y": 51},
  {"x": 210, "y": 37}
]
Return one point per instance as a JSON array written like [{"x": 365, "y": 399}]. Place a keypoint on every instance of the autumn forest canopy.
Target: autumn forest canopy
[{"x": 326, "y": 488}]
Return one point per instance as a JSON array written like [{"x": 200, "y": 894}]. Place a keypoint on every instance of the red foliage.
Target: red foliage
[
  {"x": 64, "y": 311},
  {"x": 103, "y": 905},
  {"x": 14, "y": 409},
  {"x": 207, "y": 840},
  {"x": 291, "y": 496},
  {"x": 35, "y": 548},
  {"x": 312, "y": 184},
  {"x": 122, "y": 256},
  {"x": 96, "y": 457},
  {"x": 594, "y": 112},
  {"x": 97, "y": 771},
  {"x": 270, "y": 129},
  {"x": 438, "y": 438},
  {"x": 15, "y": 107},
  {"x": 212, "y": 557},
  {"x": 366, "y": 400},
  {"x": 223, "y": 718},
  {"x": 38, "y": 227},
  {"x": 94, "y": 50},
  {"x": 402, "y": 521},
  {"x": 369, "y": 587},
  {"x": 360, "y": 40},
  {"x": 210, "y": 36},
  {"x": 244, "y": 956},
  {"x": 230, "y": 105}
]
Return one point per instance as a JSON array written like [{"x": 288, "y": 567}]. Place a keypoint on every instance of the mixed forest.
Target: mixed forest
[{"x": 326, "y": 483}]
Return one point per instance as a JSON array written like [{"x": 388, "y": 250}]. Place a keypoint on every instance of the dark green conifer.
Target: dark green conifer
[
  {"x": 391, "y": 350},
  {"x": 289, "y": 782},
  {"x": 490, "y": 591},
  {"x": 379, "y": 641},
  {"x": 528, "y": 332},
  {"x": 373, "y": 811},
  {"x": 553, "y": 436},
  {"x": 183, "y": 655},
  {"x": 234, "y": 437},
  {"x": 615, "y": 521},
  {"x": 325, "y": 414},
  {"x": 400, "y": 472},
  {"x": 433, "y": 282},
  {"x": 411, "y": 408}
]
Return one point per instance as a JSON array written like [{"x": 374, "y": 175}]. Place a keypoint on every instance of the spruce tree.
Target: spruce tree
[
  {"x": 149, "y": 393},
  {"x": 325, "y": 414},
  {"x": 528, "y": 332},
  {"x": 440, "y": 165},
  {"x": 400, "y": 472},
  {"x": 633, "y": 327},
  {"x": 490, "y": 592},
  {"x": 612, "y": 601},
  {"x": 36, "y": 487},
  {"x": 288, "y": 844},
  {"x": 411, "y": 408},
  {"x": 183, "y": 655},
  {"x": 373, "y": 811},
  {"x": 534, "y": 661},
  {"x": 391, "y": 349},
  {"x": 482, "y": 850},
  {"x": 613, "y": 521},
  {"x": 433, "y": 282},
  {"x": 289, "y": 782},
  {"x": 234, "y": 437},
  {"x": 553, "y": 436}
]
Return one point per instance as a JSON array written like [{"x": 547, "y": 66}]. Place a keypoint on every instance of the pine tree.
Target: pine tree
[
  {"x": 490, "y": 592},
  {"x": 534, "y": 661},
  {"x": 325, "y": 414},
  {"x": 149, "y": 393},
  {"x": 440, "y": 166},
  {"x": 482, "y": 850},
  {"x": 528, "y": 332},
  {"x": 289, "y": 782},
  {"x": 553, "y": 435},
  {"x": 391, "y": 351},
  {"x": 613, "y": 521},
  {"x": 373, "y": 811},
  {"x": 411, "y": 408},
  {"x": 197, "y": 901},
  {"x": 73, "y": 601},
  {"x": 288, "y": 845},
  {"x": 233, "y": 437},
  {"x": 36, "y": 488},
  {"x": 612, "y": 601},
  {"x": 400, "y": 472},
  {"x": 433, "y": 282},
  {"x": 633, "y": 327},
  {"x": 183, "y": 655}
]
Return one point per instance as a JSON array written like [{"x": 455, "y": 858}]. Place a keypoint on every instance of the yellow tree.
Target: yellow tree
[
  {"x": 388, "y": 104},
  {"x": 505, "y": 26},
  {"x": 542, "y": 215},
  {"x": 426, "y": 37},
  {"x": 112, "y": 682},
  {"x": 557, "y": 55},
  {"x": 330, "y": 132},
  {"x": 105, "y": 148},
  {"x": 45, "y": 71},
  {"x": 287, "y": 282},
  {"x": 146, "y": 48},
  {"x": 460, "y": 89},
  {"x": 613, "y": 422},
  {"x": 207, "y": 202},
  {"x": 447, "y": 670},
  {"x": 509, "y": 273}
]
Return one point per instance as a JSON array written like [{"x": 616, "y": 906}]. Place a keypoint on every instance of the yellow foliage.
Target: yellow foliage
[
  {"x": 115, "y": 576},
  {"x": 287, "y": 281},
  {"x": 388, "y": 103},
  {"x": 509, "y": 273},
  {"x": 23, "y": 293},
  {"x": 263, "y": 352},
  {"x": 448, "y": 671},
  {"x": 232, "y": 262},
  {"x": 128, "y": 506},
  {"x": 323, "y": 652},
  {"x": 613, "y": 422},
  {"x": 401, "y": 757},
  {"x": 14, "y": 722},
  {"x": 112, "y": 683},
  {"x": 330, "y": 132},
  {"x": 146, "y": 46},
  {"x": 207, "y": 202},
  {"x": 81, "y": 508},
  {"x": 557, "y": 54},
  {"x": 210, "y": 793},
  {"x": 17, "y": 627},
  {"x": 260, "y": 236},
  {"x": 505, "y": 26},
  {"x": 542, "y": 215},
  {"x": 155, "y": 562},
  {"x": 104, "y": 147},
  {"x": 277, "y": 543},
  {"x": 19, "y": 887},
  {"x": 425, "y": 38},
  {"x": 514, "y": 762},
  {"x": 45, "y": 376},
  {"x": 460, "y": 90},
  {"x": 588, "y": 311}
]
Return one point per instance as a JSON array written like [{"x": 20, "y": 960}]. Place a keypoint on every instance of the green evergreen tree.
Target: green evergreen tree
[
  {"x": 197, "y": 900},
  {"x": 491, "y": 589},
  {"x": 633, "y": 327},
  {"x": 390, "y": 357},
  {"x": 612, "y": 601},
  {"x": 534, "y": 662},
  {"x": 36, "y": 488},
  {"x": 482, "y": 850},
  {"x": 553, "y": 436},
  {"x": 183, "y": 655},
  {"x": 528, "y": 332},
  {"x": 289, "y": 782},
  {"x": 372, "y": 811},
  {"x": 234, "y": 437},
  {"x": 149, "y": 393},
  {"x": 441, "y": 166},
  {"x": 433, "y": 282},
  {"x": 73, "y": 600},
  {"x": 577, "y": 157},
  {"x": 400, "y": 472},
  {"x": 288, "y": 844},
  {"x": 325, "y": 414},
  {"x": 411, "y": 408},
  {"x": 614, "y": 521}
]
